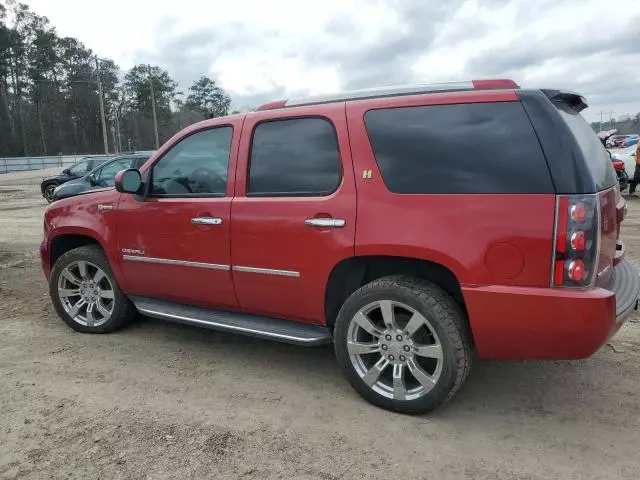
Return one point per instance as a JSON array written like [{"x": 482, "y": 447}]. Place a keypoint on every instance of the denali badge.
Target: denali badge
[{"x": 133, "y": 251}]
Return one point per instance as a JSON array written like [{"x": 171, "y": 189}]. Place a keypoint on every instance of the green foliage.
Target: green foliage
[
  {"x": 49, "y": 96},
  {"x": 208, "y": 99}
]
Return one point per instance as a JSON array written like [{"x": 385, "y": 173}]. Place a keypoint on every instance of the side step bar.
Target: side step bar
[{"x": 252, "y": 325}]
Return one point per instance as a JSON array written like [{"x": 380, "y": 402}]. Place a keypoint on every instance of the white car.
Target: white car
[{"x": 626, "y": 155}]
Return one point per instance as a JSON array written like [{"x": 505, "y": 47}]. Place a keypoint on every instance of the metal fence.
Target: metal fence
[{"x": 20, "y": 164}]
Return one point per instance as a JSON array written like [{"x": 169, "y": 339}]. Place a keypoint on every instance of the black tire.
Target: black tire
[
  {"x": 444, "y": 316},
  {"x": 48, "y": 192},
  {"x": 123, "y": 310}
]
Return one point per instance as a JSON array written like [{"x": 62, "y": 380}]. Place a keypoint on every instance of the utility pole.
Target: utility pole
[
  {"x": 611, "y": 112},
  {"x": 104, "y": 122},
  {"x": 153, "y": 109},
  {"x": 601, "y": 112}
]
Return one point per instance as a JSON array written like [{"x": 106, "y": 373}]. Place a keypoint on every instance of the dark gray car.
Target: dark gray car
[
  {"x": 77, "y": 170},
  {"x": 101, "y": 177}
]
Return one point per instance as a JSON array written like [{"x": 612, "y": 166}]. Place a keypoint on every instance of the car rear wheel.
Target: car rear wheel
[
  {"x": 85, "y": 293},
  {"x": 403, "y": 344},
  {"x": 48, "y": 192}
]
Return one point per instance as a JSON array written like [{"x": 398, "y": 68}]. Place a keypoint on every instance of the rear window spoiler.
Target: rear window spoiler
[{"x": 573, "y": 99}]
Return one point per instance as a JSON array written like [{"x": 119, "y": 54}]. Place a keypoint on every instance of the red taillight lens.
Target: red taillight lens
[
  {"x": 578, "y": 241},
  {"x": 576, "y": 270},
  {"x": 577, "y": 237},
  {"x": 618, "y": 165},
  {"x": 579, "y": 212}
]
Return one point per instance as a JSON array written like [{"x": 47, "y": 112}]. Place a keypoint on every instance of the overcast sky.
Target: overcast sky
[{"x": 262, "y": 50}]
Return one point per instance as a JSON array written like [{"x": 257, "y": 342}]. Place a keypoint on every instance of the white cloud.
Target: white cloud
[{"x": 260, "y": 50}]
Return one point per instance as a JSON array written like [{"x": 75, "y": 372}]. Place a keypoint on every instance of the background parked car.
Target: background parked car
[
  {"x": 76, "y": 170},
  {"x": 628, "y": 156},
  {"x": 631, "y": 140},
  {"x": 619, "y": 141},
  {"x": 100, "y": 177}
]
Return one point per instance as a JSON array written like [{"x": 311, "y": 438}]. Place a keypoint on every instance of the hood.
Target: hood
[
  {"x": 58, "y": 176},
  {"x": 71, "y": 188}
]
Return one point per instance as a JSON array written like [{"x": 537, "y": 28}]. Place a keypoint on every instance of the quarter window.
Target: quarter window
[
  {"x": 462, "y": 148},
  {"x": 294, "y": 157},
  {"x": 197, "y": 165}
]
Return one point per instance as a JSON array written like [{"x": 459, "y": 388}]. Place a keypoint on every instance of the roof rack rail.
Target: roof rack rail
[{"x": 392, "y": 91}]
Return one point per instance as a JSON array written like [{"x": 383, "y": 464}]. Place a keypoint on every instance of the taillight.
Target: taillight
[
  {"x": 618, "y": 164},
  {"x": 577, "y": 235}
]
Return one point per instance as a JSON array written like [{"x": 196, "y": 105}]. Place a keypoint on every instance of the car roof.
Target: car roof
[{"x": 393, "y": 91}]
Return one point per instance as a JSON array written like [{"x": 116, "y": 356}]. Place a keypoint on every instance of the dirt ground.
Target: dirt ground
[{"x": 158, "y": 400}]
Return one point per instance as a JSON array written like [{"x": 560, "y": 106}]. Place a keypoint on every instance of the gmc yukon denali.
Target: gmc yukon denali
[{"x": 413, "y": 227}]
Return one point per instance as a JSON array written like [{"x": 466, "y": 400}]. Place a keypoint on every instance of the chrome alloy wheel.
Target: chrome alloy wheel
[
  {"x": 86, "y": 293},
  {"x": 395, "y": 350}
]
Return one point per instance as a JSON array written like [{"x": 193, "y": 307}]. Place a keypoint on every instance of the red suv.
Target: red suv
[{"x": 410, "y": 226}]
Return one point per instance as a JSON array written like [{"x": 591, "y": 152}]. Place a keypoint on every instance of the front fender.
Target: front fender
[{"x": 81, "y": 216}]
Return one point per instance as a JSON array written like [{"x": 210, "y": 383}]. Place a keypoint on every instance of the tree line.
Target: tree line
[{"x": 50, "y": 94}]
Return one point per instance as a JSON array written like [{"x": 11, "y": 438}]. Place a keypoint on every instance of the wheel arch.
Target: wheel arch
[
  {"x": 48, "y": 183},
  {"x": 65, "y": 242},
  {"x": 351, "y": 273}
]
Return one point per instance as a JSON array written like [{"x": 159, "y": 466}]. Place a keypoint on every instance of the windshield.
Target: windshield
[{"x": 79, "y": 168}]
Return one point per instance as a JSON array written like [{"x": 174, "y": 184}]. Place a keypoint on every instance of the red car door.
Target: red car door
[
  {"x": 174, "y": 243},
  {"x": 293, "y": 216}
]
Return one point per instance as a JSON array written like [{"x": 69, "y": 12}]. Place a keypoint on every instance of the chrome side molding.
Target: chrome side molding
[
  {"x": 168, "y": 261},
  {"x": 267, "y": 271},
  {"x": 213, "y": 266}
]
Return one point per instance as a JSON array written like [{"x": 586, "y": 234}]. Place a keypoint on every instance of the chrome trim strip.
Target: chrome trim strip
[
  {"x": 227, "y": 327},
  {"x": 267, "y": 271},
  {"x": 168, "y": 261}
]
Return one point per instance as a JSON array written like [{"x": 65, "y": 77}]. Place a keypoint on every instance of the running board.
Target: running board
[{"x": 252, "y": 325}]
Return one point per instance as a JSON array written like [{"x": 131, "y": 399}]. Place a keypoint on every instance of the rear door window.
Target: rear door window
[
  {"x": 294, "y": 157},
  {"x": 462, "y": 148},
  {"x": 595, "y": 155}
]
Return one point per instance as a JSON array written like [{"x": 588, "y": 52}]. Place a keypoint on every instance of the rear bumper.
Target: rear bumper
[
  {"x": 547, "y": 323},
  {"x": 625, "y": 283}
]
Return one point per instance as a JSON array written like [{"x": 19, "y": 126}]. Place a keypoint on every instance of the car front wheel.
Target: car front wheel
[
  {"x": 403, "y": 344},
  {"x": 48, "y": 192},
  {"x": 85, "y": 293}
]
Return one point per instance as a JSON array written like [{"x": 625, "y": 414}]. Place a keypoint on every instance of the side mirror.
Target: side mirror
[
  {"x": 66, "y": 171},
  {"x": 128, "y": 181}
]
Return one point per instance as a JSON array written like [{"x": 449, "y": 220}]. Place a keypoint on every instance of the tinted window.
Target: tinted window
[
  {"x": 79, "y": 168},
  {"x": 105, "y": 176},
  {"x": 464, "y": 148},
  {"x": 294, "y": 157},
  {"x": 594, "y": 153},
  {"x": 197, "y": 165}
]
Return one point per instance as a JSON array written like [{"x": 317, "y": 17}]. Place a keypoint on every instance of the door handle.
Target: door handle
[
  {"x": 325, "y": 222},
  {"x": 206, "y": 221}
]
